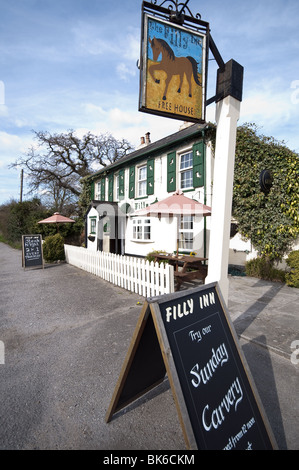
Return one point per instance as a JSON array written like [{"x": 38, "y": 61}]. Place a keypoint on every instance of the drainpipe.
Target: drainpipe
[
  {"x": 205, "y": 196},
  {"x": 85, "y": 230}
]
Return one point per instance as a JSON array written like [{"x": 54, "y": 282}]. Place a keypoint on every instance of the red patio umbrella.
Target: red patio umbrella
[
  {"x": 56, "y": 219},
  {"x": 177, "y": 204}
]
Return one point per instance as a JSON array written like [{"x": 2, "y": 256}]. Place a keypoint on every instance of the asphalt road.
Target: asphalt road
[{"x": 66, "y": 333}]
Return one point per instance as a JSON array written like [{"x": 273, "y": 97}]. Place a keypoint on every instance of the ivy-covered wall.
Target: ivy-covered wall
[{"x": 269, "y": 218}]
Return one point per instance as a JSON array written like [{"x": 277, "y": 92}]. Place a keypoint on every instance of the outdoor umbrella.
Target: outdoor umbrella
[
  {"x": 56, "y": 219},
  {"x": 177, "y": 204}
]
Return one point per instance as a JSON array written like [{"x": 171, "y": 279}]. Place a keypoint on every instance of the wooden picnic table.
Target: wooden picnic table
[{"x": 192, "y": 267}]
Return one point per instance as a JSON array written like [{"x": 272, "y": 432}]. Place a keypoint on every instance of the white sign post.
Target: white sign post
[
  {"x": 227, "y": 115},
  {"x": 228, "y": 97}
]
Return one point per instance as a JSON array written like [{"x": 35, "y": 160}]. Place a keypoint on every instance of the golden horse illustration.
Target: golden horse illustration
[{"x": 172, "y": 65}]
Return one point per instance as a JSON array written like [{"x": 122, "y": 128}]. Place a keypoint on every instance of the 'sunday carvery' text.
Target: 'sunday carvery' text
[{"x": 202, "y": 374}]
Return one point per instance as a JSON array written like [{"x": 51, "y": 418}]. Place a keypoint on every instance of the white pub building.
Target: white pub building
[
  {"x": 120, "y": 220},
  {"x": 181, "y": 163}
]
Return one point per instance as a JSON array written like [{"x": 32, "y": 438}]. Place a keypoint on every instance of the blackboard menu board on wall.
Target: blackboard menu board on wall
[
  {"x": 216, "y": 384},
  {"x": 32, "y": 251}
]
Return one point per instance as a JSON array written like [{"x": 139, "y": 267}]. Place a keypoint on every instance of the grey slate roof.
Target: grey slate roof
[{"x": 150, "y": 149}]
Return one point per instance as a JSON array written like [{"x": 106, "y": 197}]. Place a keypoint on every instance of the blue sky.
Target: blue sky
[{"x": 71, "y": 64}]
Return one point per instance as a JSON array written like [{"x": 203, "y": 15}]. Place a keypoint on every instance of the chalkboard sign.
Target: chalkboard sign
[
  {"x": 32, "y": 251},
  {"x": 216, "y": 399}
]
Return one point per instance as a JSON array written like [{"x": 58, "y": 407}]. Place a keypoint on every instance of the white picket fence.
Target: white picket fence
[{"x": 145, "y": 278}]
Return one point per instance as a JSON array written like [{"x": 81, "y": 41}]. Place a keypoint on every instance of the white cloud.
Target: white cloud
[
  {"x": 92, "y": 40},
  {"x": 125, "y": 72},
  {"x": 118, "y": 117},
  {"x": 130, "y": 124},
  {"x": 270, "y": 104},
  {"x": 129, "y": 50},
  {"x": 2, "y": 93},
  {"x": 10, "y": 146},
  {"x": 3, "y": 110},
  {"x": 131, "y": 46},
  {"x": 94, "y": 111}
]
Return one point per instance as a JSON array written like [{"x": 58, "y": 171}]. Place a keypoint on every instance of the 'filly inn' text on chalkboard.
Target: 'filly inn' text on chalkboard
[
  {"x": 32, "y": 251},
  {"x": 190, "y": 337}
]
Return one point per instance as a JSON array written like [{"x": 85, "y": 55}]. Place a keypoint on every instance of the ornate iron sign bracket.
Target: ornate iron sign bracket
[
  {"x": 176, "y": 12},
  {"x": 178, "y": 15}
]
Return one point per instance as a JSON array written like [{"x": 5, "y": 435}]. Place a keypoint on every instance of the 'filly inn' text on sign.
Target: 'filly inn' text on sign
[
  {"x": 190, "y": 337},
  {"x": 174, "y": 71}
]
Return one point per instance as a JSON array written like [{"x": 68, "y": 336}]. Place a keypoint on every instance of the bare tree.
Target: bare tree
[
  {"x": 60, "y": 160},
  {"x": 59, "y": 199}
]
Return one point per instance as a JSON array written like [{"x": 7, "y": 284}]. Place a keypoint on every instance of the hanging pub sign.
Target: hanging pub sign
[{"x": 173, "y": 70}]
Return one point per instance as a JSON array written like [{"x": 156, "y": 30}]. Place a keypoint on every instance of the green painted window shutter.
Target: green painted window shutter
[
  {"x": 150, "y": 176},
  {"x": 198, "y": 165},
  {"x": 121, "y": 183},
  {"x": 132, "y": 182},
  {"x": 110, "y": 187},
  {"x": 92, "y": 190},
  {"x": 103, "y": 189},
  {"x": 171, "y": 171}
]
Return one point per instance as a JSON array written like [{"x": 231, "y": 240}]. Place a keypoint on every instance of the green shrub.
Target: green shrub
[
  {"x": 151, "y": 256},
  {"x": 53, "y": 248},
  {"x": 292, "y": 278},
  {"x": 264, "y": 269}
]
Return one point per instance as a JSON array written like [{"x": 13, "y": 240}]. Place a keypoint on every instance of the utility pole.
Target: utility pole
[{"x": 21, "y": 190}]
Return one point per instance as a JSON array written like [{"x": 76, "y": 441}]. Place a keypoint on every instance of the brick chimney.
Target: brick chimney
[{"x": 147, "y": 138}]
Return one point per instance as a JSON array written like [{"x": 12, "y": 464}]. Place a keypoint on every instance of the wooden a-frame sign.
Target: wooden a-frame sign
[
  {"x": 32, "y": 251},
  {"x": 189, "y": 336}
]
